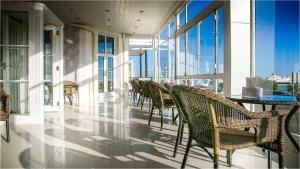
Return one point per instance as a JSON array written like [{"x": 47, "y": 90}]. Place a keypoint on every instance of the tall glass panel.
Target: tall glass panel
[
  {"x": 48, "y": 60},
  {"x": 181, "y": 56},
  {"x": 14, "y": 59},
  {"x": 277, "y": 50},
  {"x": 192, "y": 51},
  {"x": 194, "y": 7},
  {"x": 220, "y": 61},
  {"x": 207, "y": 45},
  {"x": 150, "y": 65},
  {"x": 277, "y": 46},
  {"x": 163, "y": 36},
  {"x": 182, "y": 18},
  {"x": 109, "y": 45},
  {"x": 135, "y": 65},
  {"x": 101, "y": 74},
  {"x": 101, "y": 44},
  {"x": 110, "y": 75},
  {"x": 163, "y": 61},
  {"x": 172, "y": 51},
  {"x": 143, "y": 67}
]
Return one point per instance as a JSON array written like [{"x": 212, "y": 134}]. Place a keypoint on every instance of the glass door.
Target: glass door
[
  {"x": 14, "y": 59},
  {"x": 48, "y": 73}
]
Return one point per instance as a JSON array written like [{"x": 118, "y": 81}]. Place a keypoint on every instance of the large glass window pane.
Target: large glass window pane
[
  {"x": 101, "y": 74},
  {"x": 143, "y": 67},
  {"x": 163, "y": 36},
  {"x": 48, "y": 83},
  {"x": 150, "y": 65},
  {"x": 172, "y": 59},
  {"x": 135, "y": 65},
  {"x": 109, "y": 45},
  {"x": 181, "y": 56},
  {"x": 163, "y": 61},
  {"x": 110, "y": 75},
  {"x": 182, "y": 18},
  {"x": 14, "y": 59},
  {"x": 220, "y": 63},
  {"x": 192, "y": 51},
  {"x": 101, "y": 44},
  {"x": 195, "y": 7},
  {"x": 277, "y": 50},
  {"x": 207, "y": 45},
  {"x": 172, "y": 28}
]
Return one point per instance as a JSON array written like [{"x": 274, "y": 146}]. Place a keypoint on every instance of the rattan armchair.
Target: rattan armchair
[
  {"x": 215, "y": 122},
  {"x": 145, "y": 93},
  {"x": 5, "y": 112},
  {"x": 134, "y": 92},
  {"x": 161, "y": 100}
]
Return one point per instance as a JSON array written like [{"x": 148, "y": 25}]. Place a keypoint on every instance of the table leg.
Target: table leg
[
  {"x": 264, "y": 107},
  {"x": 286, "y": 127},
  {"x": 273, "y": 107}
]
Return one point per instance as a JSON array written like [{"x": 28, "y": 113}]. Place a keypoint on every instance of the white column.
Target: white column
[
  {"x": 36, "y": 64},
  {"x": 236, "y": 45}
]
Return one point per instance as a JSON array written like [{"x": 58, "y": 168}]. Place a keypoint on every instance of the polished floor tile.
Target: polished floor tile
[{"x": 114, "y": 134}]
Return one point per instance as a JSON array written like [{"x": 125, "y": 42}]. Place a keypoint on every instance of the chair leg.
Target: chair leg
[
  {"x": 188, "y": 146},
  {"x": 177, "y": 139},
  {"x": 181, "y": 134},
  {"x": 173, "y": 116},
  {"x": 161, "y": 119},
  {"x": 138, "y": 101},
  {"x": 280, "y": 161},
  {"x": 70, "y": 100},
  {"x": 229, "y": 157},
  {"x": 7, "y": 131},
  {"x": 216, "y": 157},
  {"x": 150, "y": 115},
  {"x": 269, "y": 159},
  {"x": 142, "y": 104},
  {"x": 149, "y": 105}
]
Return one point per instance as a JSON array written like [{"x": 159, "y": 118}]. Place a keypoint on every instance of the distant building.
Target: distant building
[{"x": 279, "y": 79}]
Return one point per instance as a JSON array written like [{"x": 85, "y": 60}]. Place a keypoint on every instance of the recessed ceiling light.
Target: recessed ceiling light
[
  {"x": 141, "y": 11},
  {"x": 76, "y": 18},
  {"x": 108, "y": 19},
  {"x": 71, "y": 9},
  {"x": 107, "y": 10},
  {"x": 108, "y": 25},
  {"x": 138, "y": 20}
]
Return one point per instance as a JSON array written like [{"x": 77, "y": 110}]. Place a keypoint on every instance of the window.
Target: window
[
  {"x": 277, "y": 46},
  {"x": 105, "y": 56},
  {"x": 149, "y": 63},
  {"x": 220, "y": 65},
  {"x": 101, "y": 74},
  {"x": 163, "y": 36},
  {"x": 110, "y": 75},
  {"x": 109, "y": 45},
  {"x": 182, "y": 18},
  {"x": 101, "y": 47},
  {"x": 207, "y": 45},
  {"x": 181, "y": 58},
  {"x": 194, "y": 7},
  {"x": 192, "y": 56},
  {"x": 163, "y": 61}
]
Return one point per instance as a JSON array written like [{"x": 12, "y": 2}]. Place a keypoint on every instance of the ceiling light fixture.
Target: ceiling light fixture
[
  {"x": 76, "y": 18},
  {"x": 138, "y": 20},
  {"x": 108, "y": 19},
  {"x": 141, "y": 11},
  {"x": 71, "y": 9},
  {"x": 107, "y": 10}
]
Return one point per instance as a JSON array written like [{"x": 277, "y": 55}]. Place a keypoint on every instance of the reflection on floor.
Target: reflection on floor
[{"x": 112, "y": 135}]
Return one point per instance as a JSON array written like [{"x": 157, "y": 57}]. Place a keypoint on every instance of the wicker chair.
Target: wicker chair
[
  {"x": 215, "y": 122},
  {"x": 134, "y": 92},
  {"x": 138, "y": 90},
  {"x": 5, "y": 112},
  {"x": 145, "y": 93},
  {"x": 161, "y": 100}
]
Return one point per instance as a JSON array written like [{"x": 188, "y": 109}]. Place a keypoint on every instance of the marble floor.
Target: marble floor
[{"x": 113, "y": 134}]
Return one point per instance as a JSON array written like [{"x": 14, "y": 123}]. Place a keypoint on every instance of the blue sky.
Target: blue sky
[{"x": 277, "y": 37}]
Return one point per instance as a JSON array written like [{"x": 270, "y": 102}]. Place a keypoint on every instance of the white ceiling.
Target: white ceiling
[{"x": 122, "y": 15}]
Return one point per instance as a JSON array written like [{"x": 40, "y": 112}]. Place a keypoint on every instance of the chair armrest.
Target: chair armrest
[{"x": 267, "y": 114}]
